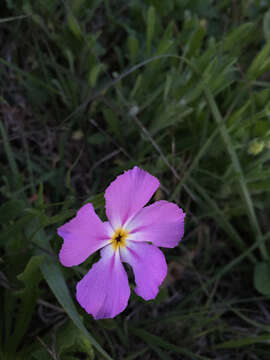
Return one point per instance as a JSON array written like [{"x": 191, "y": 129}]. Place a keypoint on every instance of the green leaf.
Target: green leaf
[
  {"x": 234, "y": 40},
  {"x": 194, "y": 44},
  {"x": 264, "y": 339},
  {"x": 266, "y": 25},
  {"x": 9, "y": 307},
  {"x": 9, "y": 153},
  {"x": 41, "y": 355},
  {"x": 69, "y": 337},
  {"x": 112, "y": 121},
  {"x": 167, "y": 87},
  {"x": 262, "y": 278},
  {"x": 11, "y": 232},
  {"x": 167, "y": 40},
  {"x": 59, "y": 217},
  {"x": 159, "y": 342},
  {"x": 94, "y": 74},
  {"x": 133, "y": 47},
  {"x": 151, "y": 19},
  {"x": 11, "y": 210},
  {"x": 56, "y": 282},
  {"x": 51, "y": 271},
  {"x": 248, "y": 201},
  {"x": 74, "y": 26},
  {"x": 31, "y": 278},
  {"x": 261, "y": 186},
  {"x": 76, "y": 5},
  {"x": 260, "y": 63},
  {"x": 136, "y": 86},
  {"x": 219, "y": 216},
  {"x": 98, "y": 201},
  {"x": 47, "y": 220}
]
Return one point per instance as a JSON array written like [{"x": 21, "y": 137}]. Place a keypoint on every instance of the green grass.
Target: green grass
[{"x": 89, "y": 89}]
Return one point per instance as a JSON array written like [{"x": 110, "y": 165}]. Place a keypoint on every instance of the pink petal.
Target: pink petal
[
  {"x": 161, "y": 223},
  {"x": 149, "y": 267},
  {"x": 82, "y": 235},
  {"x": 104, "y": 290},
  {"x": 127, "y": 194}
]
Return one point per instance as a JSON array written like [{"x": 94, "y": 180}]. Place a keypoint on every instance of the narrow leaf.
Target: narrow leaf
[
  {"x": 262, "y": 278},
  {"x": 54, "y": 277},
  {"x": 151, "y": 19}
]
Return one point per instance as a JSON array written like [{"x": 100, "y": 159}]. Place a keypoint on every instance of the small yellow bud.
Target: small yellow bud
[
  {"x": 77, "y": 135},
  {"x": 255, "y": 147},
  {"x": 203, "y": 23}
]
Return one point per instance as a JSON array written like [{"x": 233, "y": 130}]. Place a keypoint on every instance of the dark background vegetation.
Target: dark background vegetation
[{"x": 181, "y": 88}]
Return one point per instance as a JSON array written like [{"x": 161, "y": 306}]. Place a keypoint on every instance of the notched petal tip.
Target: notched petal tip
[
  {"x": 104, "y": 291},
  {"x": 149, "y": 267},
  {"x": 82, "y": 235},
  {"x": 182, "y": 213},
  {"x": 161, "y": 223},
  {"x": 61, "y": 231},
  {"x": 127, "y": 194}
]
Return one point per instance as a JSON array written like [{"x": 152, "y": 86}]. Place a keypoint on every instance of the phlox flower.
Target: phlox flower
[{"x": 132, "y": 234}]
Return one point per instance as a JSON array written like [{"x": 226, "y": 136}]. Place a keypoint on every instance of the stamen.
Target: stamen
[{"x": 119, "y": 238}]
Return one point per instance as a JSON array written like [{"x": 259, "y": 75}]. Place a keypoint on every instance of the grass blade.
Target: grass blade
[
  {"x": 10, "y": 156},
  {"x": 53, "y": 275},
  {"x": 238, "y": 169},
  {"x": 157, "y": 341}
]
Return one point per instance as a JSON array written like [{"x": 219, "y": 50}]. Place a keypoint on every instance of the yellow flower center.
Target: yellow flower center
[{"x": 119, "y": 238}]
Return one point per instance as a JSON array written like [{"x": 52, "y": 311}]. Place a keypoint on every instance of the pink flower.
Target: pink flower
[{"x": 132, "y": 235}]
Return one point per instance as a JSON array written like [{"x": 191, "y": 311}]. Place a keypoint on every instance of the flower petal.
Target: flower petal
[
  {"x": 104, "y": 290},
  {"x": 149, "y": 267},
  {"x": 82, "y": 235},
  {"x": 161, "y": 223},
  {"x": 127, "y": 194}
]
